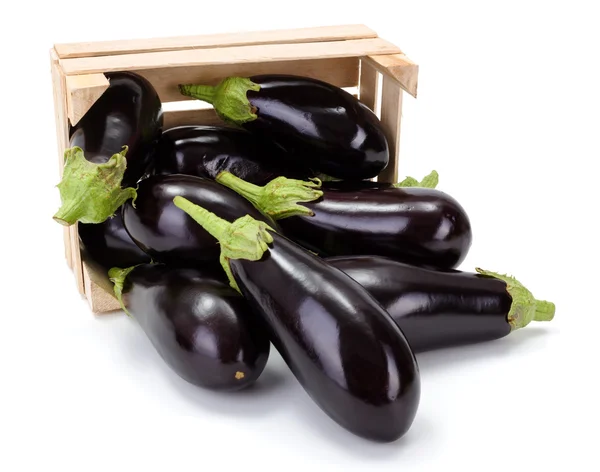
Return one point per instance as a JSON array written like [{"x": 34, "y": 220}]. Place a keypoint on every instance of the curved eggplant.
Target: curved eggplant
[
  {"x": 340, "y": 344},
  {"x": 419, "y": 226},
  {"x": 200, "y": 326},
  {"x": 110, "y": 149},
  {"x": 205, "y": 151},
  {"x": 316, "y": 122},
  {"x": 439, "y": 309},
  {"x": 170, "y": 236}
]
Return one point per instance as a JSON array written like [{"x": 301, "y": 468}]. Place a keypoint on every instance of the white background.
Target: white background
[{"x": 508, "y": 113}]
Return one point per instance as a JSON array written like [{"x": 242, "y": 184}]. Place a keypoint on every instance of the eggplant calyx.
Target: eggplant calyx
[
  {"x": 117, "y": 276},
  {"x": 525, "y": 308},
  {"x": 279, "y": 198},
  {"x": 91, "y": 193},
  {"x": 228, "y": 98},
  {"x": 245, "y": 238},
  {"x": 429, "y": 181}
]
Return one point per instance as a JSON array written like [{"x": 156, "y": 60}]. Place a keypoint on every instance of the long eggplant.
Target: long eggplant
[
  {"x": 198, "y": 324},
  {"x": 317, "y": 123},
  {"x": 439, "y": 309},
  {"x": 170, "y": 236},
  {"x": 416, "y": 225},
  {"x": 340, "y": 344},
  {"x": 205, "y": 151},
  {"x": 110, "y": 148}
]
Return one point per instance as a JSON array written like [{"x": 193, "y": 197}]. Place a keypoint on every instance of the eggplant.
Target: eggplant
[
  {"x": 110, "y": 149},
  {"x": 315, "y": 122},
  {"x": 416, "y": 225},
  {"x": 440, "y": 309},
  {"x": 198, "y": 324},
  {"x": 109, "y": 245},
  {"x": 205, "y": 151},
  {"x": 170, "y": 236},
  {"x": 340, "y": 344}
]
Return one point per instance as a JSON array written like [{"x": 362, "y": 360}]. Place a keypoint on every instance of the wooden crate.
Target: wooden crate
[{"x": 346, "y": 56}]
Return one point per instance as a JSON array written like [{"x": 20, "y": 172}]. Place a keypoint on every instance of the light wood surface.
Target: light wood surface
[
  {"x": 82, "y": 93},
  {"x": 368, "y": 91},
  {"x": 391, "y": 118},
  {"x": 205, "y": 116},
  {"x": 97, "y": 291},
  {"x": 398, "y": 67},
  {"x": 299, "y": 35}
]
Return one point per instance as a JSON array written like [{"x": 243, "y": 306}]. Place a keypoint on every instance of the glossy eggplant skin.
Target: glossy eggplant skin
[
  {"x": 201, "y": 327},
  {"x": 109, "y": 245},
  {"x": 205, "y": 151},
  {"x": 419, "y": 226},
  {"x": 320, "y": 124},
  {"x": 434, "y": 309},
  {"x": 341, "y": 345},
  {"x": 168, "y": 234},
  {"x": 129, "y": 113}
]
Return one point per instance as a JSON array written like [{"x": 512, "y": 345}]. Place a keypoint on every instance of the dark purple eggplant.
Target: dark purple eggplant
[
  {"x": 199, "y": 325},
  {"x": 318, "y": 123},
  {"x": 169, "y": 235},
  {"x": 439, "y": 309},
  {"x": 341, "y": 345},
  {"x": 205, "y": 151},
  {"x": 416, "y": 225},
  {"x": 109, "y": 245},
  {"x": 110, "y": 148}
]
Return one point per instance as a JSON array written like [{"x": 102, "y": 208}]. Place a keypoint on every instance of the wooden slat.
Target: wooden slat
[
  {"x": 342, "y": 72},
  {"x": 391, "y": 117},
  {"x": 62, "y": 134},
  {"x": 232, "y": 55},
  {"x": 301, "y": 35},
  {"x": 82, "y": 93},
  {"x": 97, "y": 291},
  {"x": 368, "y": 91},
  {"x": 206, "y": 117},
  {"x": 400, "y": 68}
]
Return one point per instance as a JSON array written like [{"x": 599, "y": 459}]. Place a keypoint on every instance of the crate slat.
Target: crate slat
[
  {"x": 232, "y": 55},
  {"x": 82, "y": 93},
  {"x": 368, "y": 91},
  {"x": 398, "y": 67},
  {"x": 391, "y": 118},
  {"x": 299, "y": 35},
  {"x": 206, "y": 117},
  {"x": 97, "y": 286}
]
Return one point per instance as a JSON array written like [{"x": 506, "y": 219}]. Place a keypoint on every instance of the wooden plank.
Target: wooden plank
[
  {"x": 82, "y": 93},
  {"x": 368, "y": 89},
  {"x": 97, "y": 291},
  {"x": 300, "y": 35},
  {"x": 205, "y": 116},
  {"x": 62, "y": 135},
  {"x": 391, "y": 117},
  {"x": 342, "y": 72},
  {"x": 232, "y": 55},
  {"x": 400, "y": 68}
]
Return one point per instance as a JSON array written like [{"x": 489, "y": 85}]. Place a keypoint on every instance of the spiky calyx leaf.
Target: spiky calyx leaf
[{"x": 429, "y": 181}]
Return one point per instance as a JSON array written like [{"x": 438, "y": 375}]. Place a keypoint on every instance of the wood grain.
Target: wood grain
[
  {"x": 368, "y": 89},
  {"x": 398, "y": 67},
  {"x": 205, "y": 116},
  {"x": 391, "y": 118},
  {"x": 300, "y": 35},
  {"x": 98, "y": 291},
  {"x": 82, "y": 93}
]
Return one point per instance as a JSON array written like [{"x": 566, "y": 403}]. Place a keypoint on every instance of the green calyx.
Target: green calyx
[
  {"x": 117, "y": 276},
  {"x": 245, "y": 238},
  {"x": 429, "y": 181},
  {"x": 279, "y": 198},
  {"x": 91, "y": 193},
  {"x": 229, "y": 98},
  {"x": 525, "y": 307}
]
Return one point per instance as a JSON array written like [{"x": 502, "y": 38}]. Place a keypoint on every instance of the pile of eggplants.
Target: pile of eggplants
[{"x": 272, "y": 229}]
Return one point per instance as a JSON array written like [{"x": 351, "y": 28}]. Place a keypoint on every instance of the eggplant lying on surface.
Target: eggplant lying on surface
[
  {"x": 205, "y": 151},
  {"x": 340, "y": 344},
  {"x": 198, "y": 324},
  {"x": 170, "y": 236},
  {"x": 420, "y": 226},
  {"x": 438, "y": 309},
  {"x": 110, "y": 149},
  {"x": 319, "y": 124}
]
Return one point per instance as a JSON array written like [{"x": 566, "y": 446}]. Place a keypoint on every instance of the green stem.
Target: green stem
[
  {"x": 279, "y": 198},
  {"x": 229, "y": 98},
  {"x": 245, "y": 238},
  {"x": 429, "y": 181},
  {"x": 91, "y": 193},
  {"x": 525, "y": 308},
  {"x": 117, "y": 276}
]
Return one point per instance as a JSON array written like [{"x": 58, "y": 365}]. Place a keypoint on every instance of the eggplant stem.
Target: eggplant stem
[
  {"x": 117, "y": 276},
  {"x": 279, "y": 198},
  {"x": 205, "y": 93},
  {"x": 525, "y": 308},
  {"x": 245, "y": 238}
]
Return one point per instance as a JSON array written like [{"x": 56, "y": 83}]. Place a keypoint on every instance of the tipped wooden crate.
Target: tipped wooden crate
[{"x": 347, "y": 56}]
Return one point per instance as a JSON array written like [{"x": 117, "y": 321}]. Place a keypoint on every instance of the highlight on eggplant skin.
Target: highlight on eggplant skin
[{"x": 201, "y": 327}]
